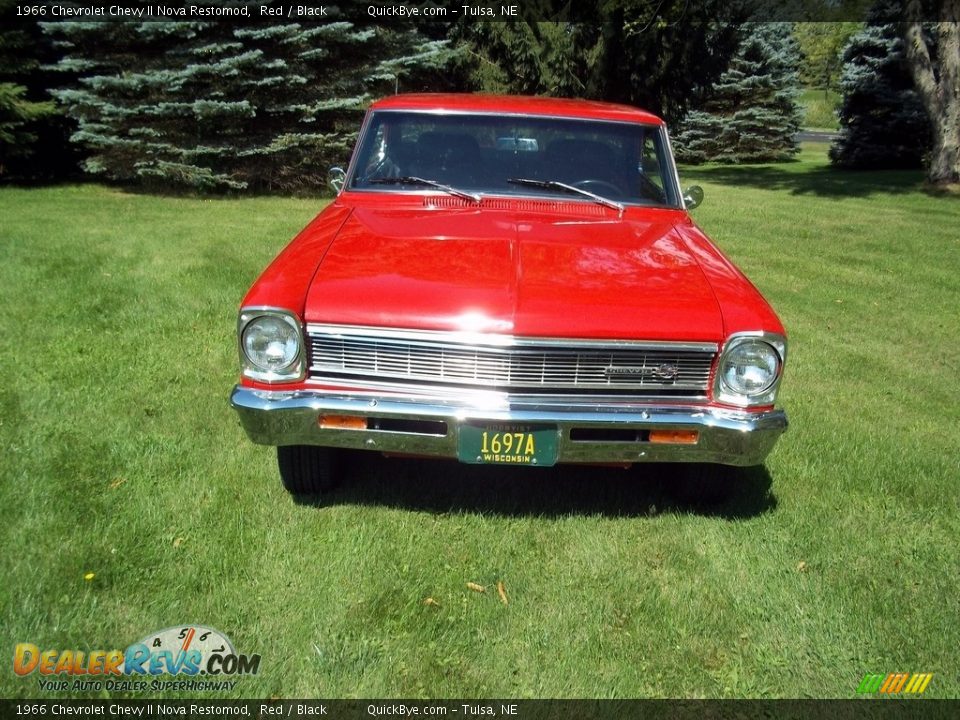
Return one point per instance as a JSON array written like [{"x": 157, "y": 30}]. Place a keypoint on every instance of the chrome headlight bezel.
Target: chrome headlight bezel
[
  {"x": 765, "y": 342},
  {"x": 291, "y": 372}
]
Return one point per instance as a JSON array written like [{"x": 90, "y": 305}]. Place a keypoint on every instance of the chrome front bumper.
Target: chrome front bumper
[{"x": 594, "y": 432}]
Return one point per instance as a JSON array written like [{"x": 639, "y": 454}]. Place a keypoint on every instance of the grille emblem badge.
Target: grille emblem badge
[{"x": 665, "y": 371}]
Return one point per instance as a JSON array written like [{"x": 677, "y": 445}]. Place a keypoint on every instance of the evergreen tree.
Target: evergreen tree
[
  {"x": 654, "y": 56},
  {"x": 659, "y": 56},
  {"x": 882, "y": 120},
  {"x": 17, "y": 113},
  {"x": 217, "y": 106},
  {"x": 32, "y": 132},
  {"x": 522, "y": 58},
  {"x": 752, "y": 114}
]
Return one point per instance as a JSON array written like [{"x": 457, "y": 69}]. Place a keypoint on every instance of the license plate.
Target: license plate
[{"x": 531, "y": 445}]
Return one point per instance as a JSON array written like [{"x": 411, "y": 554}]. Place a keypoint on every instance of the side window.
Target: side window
[
  {"x": 650, "y": 168},
  {"x": 650, "y": 163},
  {"x": 378, "y": 164}
]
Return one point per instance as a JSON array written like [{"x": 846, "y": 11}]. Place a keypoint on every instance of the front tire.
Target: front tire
[{"x": 307, "y": 469}]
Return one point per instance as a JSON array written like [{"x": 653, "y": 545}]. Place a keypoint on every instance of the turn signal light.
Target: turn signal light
[
  {"x": 674, "y": 437},
  {"x": 342, "y": 422}
]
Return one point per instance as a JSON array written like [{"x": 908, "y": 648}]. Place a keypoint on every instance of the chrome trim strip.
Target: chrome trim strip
[
  {"x": 727, "y": 436},
  {"x": 460, "y": 338},
  {"x": 487, "y": 398},
  {"x": 355, "y": 152},
  {"x": 676, "y": 171}
]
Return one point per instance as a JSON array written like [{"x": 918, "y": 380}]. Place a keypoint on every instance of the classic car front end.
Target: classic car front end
[{"x": 508, "y": 281}]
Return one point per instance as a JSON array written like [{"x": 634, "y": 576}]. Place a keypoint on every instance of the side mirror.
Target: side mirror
[
  {"x": 692, "y": 196},
  {"x": 336, "y": 177}
]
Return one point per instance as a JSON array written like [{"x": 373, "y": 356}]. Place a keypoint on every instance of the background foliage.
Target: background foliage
[
  {"x": 33, "y": 130},
  {"x": 752, "y": 113},
  {"x": 217, "y": 106},
  {"x": 821, "y": 47},
  {"x": 882, "y": 120},
  {"x": 661, "y": 58}
]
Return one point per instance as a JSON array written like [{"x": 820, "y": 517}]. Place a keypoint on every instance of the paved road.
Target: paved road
[{"x": 816, "y": 136}]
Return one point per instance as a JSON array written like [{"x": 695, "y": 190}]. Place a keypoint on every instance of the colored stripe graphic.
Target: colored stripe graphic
[
  {"x": 893, "y": 683},
  {"x": 919, "y": 682},
  {"x": 870, "y": 684}
]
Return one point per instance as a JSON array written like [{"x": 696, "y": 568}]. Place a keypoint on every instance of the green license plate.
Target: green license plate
[{"x": 508, "y": 444}]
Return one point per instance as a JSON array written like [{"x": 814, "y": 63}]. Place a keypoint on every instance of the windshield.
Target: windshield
[{"x": 515, "y": 155}]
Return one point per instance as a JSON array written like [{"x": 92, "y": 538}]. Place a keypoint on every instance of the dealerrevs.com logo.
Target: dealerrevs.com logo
[{"x": 184, "y": 652}]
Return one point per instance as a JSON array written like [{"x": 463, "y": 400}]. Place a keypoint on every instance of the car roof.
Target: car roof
[{"x": 515, "y": 105}]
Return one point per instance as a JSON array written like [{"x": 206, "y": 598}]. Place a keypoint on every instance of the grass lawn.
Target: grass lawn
[
  {"x": 819, "y": 108},
  {"x": 122, "y": 458}
]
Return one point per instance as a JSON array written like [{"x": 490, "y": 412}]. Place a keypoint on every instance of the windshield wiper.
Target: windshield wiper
[
  {"x": 563, "y": 187},
  {"x": 411, "y": 180}
]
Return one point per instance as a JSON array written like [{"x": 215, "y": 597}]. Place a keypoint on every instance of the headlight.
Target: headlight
[
  {"x": 270, "y": 345},
  {"x": 749, "y": 369}
]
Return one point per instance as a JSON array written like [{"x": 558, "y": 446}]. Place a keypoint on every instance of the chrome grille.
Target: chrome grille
[{"x": 504, "y": 363}]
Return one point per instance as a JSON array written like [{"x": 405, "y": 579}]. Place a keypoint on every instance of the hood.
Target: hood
[{"x": 505, "y": 271}]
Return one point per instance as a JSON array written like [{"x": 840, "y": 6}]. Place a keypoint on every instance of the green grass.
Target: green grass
[
  {"x": 819, "y": 109},
  {"x": 122, "y": 458}
]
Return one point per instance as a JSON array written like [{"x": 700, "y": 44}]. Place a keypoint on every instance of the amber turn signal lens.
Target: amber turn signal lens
[
  {"x": 675, "y": 437},
  {"x": 342, "y": 422}
]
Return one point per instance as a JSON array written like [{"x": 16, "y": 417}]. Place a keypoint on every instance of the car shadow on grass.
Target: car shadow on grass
[
  {"x": 442, "y": 486},
  {"x": 821, "y": 182}
]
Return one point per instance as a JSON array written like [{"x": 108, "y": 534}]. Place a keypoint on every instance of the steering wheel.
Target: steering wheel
[
  {"x": 382, "y": 168},
  {"x": 599, "y": 187}
]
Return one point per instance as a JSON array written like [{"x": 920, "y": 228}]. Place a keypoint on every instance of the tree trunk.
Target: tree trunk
[
  {"x": 936, "y": 73},
  {"x": 610, "y": 77}
]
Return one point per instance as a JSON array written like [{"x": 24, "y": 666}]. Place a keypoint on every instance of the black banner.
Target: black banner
[
  {"x": 864, "y": 708},
  {"x": 449, "y": 11}
]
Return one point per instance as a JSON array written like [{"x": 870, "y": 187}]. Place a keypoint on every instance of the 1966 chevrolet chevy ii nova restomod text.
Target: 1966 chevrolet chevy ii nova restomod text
[{"x": 509, "y": 280}]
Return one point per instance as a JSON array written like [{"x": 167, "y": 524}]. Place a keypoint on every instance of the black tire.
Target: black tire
[
  {"x": 705, "y": 484},
  {"x": 307, "y": 469}
]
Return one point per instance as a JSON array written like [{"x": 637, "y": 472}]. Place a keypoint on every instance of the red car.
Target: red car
[{"x": 509, "y": 280}]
